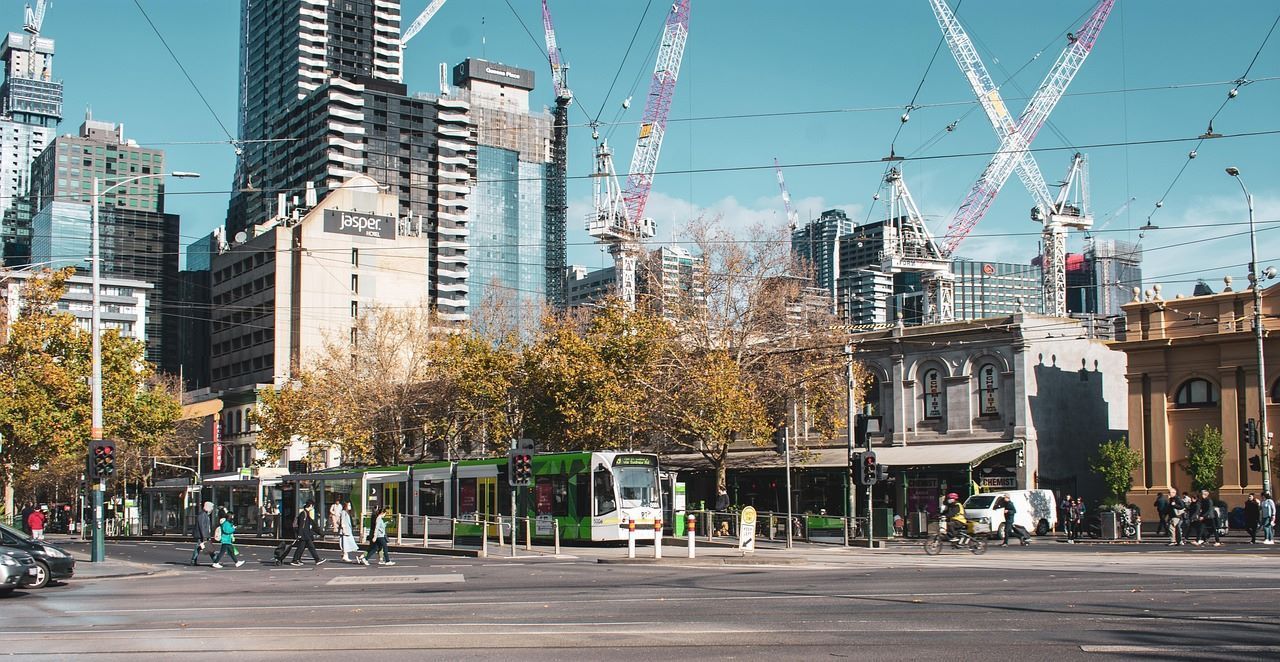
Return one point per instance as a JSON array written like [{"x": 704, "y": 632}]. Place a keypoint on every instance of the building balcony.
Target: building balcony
[
  {"x": 454, "y": 218},
  {"x": 457, "y": 146},
  {"x": 454, "y": 118},
  {"x": 453, "y": 188},
  {"x": 453, "y": 102},
  {"x": 453, "y": 131}
]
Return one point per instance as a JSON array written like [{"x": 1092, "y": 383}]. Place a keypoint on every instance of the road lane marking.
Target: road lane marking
[
  {"x": 348, "y": 580},
  {"x": 1195, "y": 651}
]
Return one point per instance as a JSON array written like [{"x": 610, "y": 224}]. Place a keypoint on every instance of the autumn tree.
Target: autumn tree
[{"x": 45, "y": 407}]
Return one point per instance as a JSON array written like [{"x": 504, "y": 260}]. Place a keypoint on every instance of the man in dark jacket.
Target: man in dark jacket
[
  {"x": 1010, "y": 511},
  {"x": 1177, "y": 519},
  {"x": 1162, "y": 509},
  {"x": 22, "y": 517},
  {"x": 1252, "y": 515},
  {"x": 202, "y": 532},
  {"x": 306, "y": 527},
  {"x": 1207, "y": 515}
]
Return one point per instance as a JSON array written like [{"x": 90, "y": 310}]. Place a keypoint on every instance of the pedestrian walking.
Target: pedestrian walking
[
  {"x": 1207, "y": 519},
  {"x": 1267, "y": 519},
  {"x": 1009, "y": 527},
  {"x": 306, "y": 526},
  {"x": 347, "y": 535},
  {"x": 335, "y": 515},
  {"x": 1075, "y": 512},
  {"x": 227, "y": 540},
  {"x": 202, "y": 532},
  {"x": 1252, "y": 515},
  {"x": 27, "y": 509},
  {"x": 1162, "y": 511},
  {"x": 1177, "y": 514},
  {"x": 378, "y": 539},
  {"x": 1064, "y": 515},
  {"x": 36, "y": 521}
]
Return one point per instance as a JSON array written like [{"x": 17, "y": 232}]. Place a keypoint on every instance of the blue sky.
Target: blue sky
[{"x": 759, "y": 56}]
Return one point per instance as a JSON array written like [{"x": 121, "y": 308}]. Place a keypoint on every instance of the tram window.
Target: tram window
[
  {"x": 560, "y": 496},
  {"x": 431, "y": 498},
  {"x": 637, "y": 486},
  {"x": 605, "y": 502},
  {"x": 582, "y": 497}
]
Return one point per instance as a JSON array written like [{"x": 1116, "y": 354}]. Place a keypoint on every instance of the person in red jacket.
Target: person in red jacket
[{"x": 36, "y": 521}]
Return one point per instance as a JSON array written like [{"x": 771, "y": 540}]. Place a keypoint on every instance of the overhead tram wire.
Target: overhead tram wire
[
  {"x": 640, "y": 23},
  {"x": 537, "y": 44},
  {"x": 1238, "y": 83},
  {"x": 190, "y": 80}
]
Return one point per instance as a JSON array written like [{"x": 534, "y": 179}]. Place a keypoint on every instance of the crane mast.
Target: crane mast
[
  {"x": 617, "y": 218},
  {"x": 556, "y": 187},
  {"x": 415, "y": 27},
  {"x": 793, "y": 217},
  {"x": 32, "y": 20}
]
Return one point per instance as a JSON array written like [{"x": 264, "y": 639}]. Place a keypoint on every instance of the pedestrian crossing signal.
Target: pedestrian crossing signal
[
  {"x": 1255, "y": 463},
  {"x": 869, "y": 472}
]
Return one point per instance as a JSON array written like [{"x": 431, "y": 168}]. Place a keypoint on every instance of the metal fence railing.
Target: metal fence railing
[{"x": 771, "y": 526}]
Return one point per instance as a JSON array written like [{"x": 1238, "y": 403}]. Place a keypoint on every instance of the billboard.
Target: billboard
[{"x": 359, "y": 224}]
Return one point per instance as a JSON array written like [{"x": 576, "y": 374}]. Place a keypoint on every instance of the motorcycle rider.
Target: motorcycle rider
[{"x": 954, "y": 515}]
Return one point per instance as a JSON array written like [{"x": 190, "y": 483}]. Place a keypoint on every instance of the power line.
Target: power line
[{"x": 178, "y": 62}]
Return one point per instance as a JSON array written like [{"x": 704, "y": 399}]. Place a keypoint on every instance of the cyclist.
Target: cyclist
[{"x": 956, "y": 523}]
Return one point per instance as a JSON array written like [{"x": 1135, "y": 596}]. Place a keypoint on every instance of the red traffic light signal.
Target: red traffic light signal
[
  {"x": 520, "y": 469},
  {"x": 102, "y": 459},
  {"x": 869, "y": 474}
]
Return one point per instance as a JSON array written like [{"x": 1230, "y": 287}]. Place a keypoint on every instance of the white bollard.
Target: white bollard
[
  {"x": 631, "y": 538},
  {"x": 426, "y": 532},
  {"x": 399, "y": 529},
  {"x": 555, "y": 526},
  {"x": 500, "y": 538},
  {"x": 689, "y": 529},
  {"x": 657, "y": 538},
  {"x": 484, "y": 538}
]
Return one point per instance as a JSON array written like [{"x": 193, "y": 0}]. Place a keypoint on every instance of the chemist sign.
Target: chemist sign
[{"x": 359, "y": 224}]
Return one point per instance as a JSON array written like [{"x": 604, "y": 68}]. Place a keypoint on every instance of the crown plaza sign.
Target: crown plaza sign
[{"x": 359, "y": 224}]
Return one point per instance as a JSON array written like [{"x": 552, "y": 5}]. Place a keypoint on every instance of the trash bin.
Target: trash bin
[
  {"x": 882, "y": 522},
  {"x": 918, "y": 524},
  {"x": 1110, "y": 527}
]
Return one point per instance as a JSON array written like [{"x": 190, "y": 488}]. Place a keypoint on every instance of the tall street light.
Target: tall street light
[
  {"x": 98, "y": 550},
  {"x": 1255, "y": 279}
]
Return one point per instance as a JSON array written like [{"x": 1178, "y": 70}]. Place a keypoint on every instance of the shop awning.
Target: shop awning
[
  {"x": 200, "y": 409},
  {"x": 919, "y": 455}
]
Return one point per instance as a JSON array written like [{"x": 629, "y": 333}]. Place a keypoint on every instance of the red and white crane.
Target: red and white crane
[
  {"x": 793, "y": 217},
  {"x": 618, "y": 216},
  {"x": 1014, "y": 154}
]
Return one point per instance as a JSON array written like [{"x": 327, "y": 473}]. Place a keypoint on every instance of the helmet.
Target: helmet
[{"x": 953, "y": 496}]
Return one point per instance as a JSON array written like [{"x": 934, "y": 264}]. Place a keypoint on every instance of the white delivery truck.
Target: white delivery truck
[{"x": 1035, "y": 510}]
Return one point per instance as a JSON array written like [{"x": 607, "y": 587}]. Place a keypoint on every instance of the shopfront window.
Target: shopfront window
[
  {"x": 988, "y": 391},
  {"x": 932, "y": 385}
]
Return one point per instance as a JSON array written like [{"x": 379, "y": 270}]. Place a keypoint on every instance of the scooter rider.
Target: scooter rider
[{"x": 954, "y": 514}]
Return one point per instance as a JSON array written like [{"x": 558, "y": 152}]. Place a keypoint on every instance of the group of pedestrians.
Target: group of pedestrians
[
  {"x": 1193, "y": 519},
  {"x": 1071, "y": 517},
  {"x": 208, "y": 531}
]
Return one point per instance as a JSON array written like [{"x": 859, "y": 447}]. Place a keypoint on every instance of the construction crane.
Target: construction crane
[
  {"x": 415, "y": 27},
  {"x": 618, "y": 218},
  {"x": 793, "y": 217},
  {"x": 910, "y": 247},
  {"x": 557, "y": 194},
  {"x": 33, "y": 18},
  {"x": 1015, "y": 141}
]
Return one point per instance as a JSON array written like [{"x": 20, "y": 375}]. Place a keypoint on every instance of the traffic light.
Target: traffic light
[
  {"x": 855, "y": 468},
  {"x": 1255, "y": 463},
  {"x": 520, "y": 468},
  {"x": 869, "y": 473},
  {"x": 1250, "y": 433},
  {"x": 102, "y": 459},
  {"x": 882, "y": 472}
]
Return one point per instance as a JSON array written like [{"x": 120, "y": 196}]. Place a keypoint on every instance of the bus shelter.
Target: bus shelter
[
  {"x": 169, "y": 508},
  {"x": 252, "y": 500},
  {"x": 366, "y": 489}
]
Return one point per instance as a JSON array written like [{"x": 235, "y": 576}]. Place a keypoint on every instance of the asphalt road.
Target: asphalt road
[{"x": 1045, "y": 602}]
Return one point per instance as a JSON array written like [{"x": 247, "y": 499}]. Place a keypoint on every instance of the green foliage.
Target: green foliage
[
  {"x": 1204, "y": 458},
  {"x": 1115, "y": 462},
  {"x": 45, "y": 397}
]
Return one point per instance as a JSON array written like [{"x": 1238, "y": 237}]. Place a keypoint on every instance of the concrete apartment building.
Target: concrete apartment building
[
  {"x": 124, "y": 302},
  {"x": 30, "y": 110},
  {"x": 1193, "y": 362},
  {"x": 327, "y": 77}
]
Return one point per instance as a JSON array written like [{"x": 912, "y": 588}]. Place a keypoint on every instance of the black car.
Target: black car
[{"x": 51, "y": 562}]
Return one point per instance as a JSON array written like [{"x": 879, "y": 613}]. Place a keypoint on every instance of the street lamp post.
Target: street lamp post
[
  {"x": 1255, "y": 279},
  {"x": 97, "y": 552}
]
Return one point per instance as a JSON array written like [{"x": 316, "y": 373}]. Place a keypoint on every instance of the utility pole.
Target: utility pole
[
  {"x": 1255, "y": 280},
  {"x": 850, "y": 498}
]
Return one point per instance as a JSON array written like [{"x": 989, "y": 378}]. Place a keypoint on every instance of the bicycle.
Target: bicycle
[{"x": 933, "y": 546}]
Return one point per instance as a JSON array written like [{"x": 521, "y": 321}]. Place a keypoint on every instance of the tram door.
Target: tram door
[
  {"x": 487, "y": 501},
  {"x": 391, "y": 499}
]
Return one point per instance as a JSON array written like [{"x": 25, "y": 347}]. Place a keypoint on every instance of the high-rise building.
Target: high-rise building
[
  {"x": 584, "y": 286},
  {"x": 673, "y": 280},
  {"x": 1101, "y": 280},
  {"x": 818, "y": 244},
  {"x": 138, "y": 239},
  {"x": 30, "y": 109},
  {"x": 194, "y": 310},
  {"x": 508, "y": 240},
  {"x": 122, "y": 303},
  {"x": 322, "y": 101},
  {"x": 990, "y": 289}
]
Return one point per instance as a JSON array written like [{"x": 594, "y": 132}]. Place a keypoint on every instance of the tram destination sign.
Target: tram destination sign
[
  {"x": 635, "y": 461},
  {"x": 359, "y": 224}
]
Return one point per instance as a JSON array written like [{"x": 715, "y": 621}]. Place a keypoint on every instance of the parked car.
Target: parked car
[
  {"x": 17, "y": 568},
  {"x": 1035, "y": 510},
  {"x": 52, "y": 562}
]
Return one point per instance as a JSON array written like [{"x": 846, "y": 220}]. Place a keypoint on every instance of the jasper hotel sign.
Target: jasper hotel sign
[{"x": 359, "y": 224}]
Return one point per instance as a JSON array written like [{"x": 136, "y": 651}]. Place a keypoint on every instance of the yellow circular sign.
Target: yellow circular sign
[{"x": 748, "y": 516}]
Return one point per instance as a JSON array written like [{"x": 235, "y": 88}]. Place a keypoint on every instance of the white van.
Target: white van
[{"x": 1035, "y": 512}]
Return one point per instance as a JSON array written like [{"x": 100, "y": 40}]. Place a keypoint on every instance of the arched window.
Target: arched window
[
  {"x": 988, "y": 391},
  {"x": 1196, "y": 393},
  {"x": 932, "y": 385},
  {"x": 871, "y": 401}
]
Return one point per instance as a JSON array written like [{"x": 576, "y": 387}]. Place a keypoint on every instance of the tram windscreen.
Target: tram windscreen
[{"x": 638, "y": 486}]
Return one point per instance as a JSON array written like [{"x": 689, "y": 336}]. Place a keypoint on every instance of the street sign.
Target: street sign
[{"x": 747, "y": 529}]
